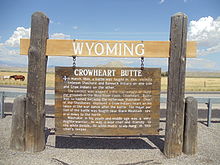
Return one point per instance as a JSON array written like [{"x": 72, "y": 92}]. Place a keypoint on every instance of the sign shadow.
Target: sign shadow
[
  {"x": 157, "y": 140},
  {"x": 101, "y": 143}
]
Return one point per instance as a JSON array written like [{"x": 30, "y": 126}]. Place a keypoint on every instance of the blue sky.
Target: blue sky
[{"x": 112, "y": 20}]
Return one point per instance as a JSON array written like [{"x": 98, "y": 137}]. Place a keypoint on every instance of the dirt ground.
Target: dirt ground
[{"x": 110, "y": 151}]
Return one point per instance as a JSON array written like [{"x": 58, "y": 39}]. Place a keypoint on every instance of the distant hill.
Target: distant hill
[
  {"x": 20, "y": 69},
  {"x": 116, "y": 64},
  {"x": 13, "y": 69},
  {"x": 203, "y": 74},
  {"x": 196, "y": 74}
]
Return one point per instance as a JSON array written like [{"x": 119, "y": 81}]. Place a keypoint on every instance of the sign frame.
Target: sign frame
[{"x": 142, "y": 89}]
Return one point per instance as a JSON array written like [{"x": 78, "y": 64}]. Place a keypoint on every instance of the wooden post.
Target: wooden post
[
  {"x": 176, "y": 86},
  {"x": 37, "y": 64},
  {"x": 190, "y": 126},
  {"x": 17, "y": 140},
  {"x": 209, "y": 115},
  {"x": 2, "y": 105}
]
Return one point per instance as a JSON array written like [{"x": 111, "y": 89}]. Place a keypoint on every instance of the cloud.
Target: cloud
[
  {"x": 116, "y": 29},
  {"x": 75, "y": 27},
  {"x": 14, "y": 40},
  {"x": 10, "y": 55},
  {"x": 59, "y": 36},
  {"x": 9, "y": 50},
  {"x": 161, "y": 1},
  {"x": 53, "y": 22},
  {"x": 206, "y": 31},
  {"x": 200, "y": 63}
]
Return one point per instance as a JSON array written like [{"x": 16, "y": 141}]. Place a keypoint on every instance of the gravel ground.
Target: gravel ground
[{"x": 106, "y": 151}]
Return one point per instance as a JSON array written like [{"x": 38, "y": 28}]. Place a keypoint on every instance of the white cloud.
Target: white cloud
[
  {"x": 200, "y": 63},
  {"x": 59, "y": 36},
  {"x": 10, "y": 55},
  {"x": 116, "y": 29},
  {"x": 161, "y": 1},
  {"x": 75, "y": 27},
  {"x": 53, "y": 22},
  {"x": 206, "y": 31},
  {"x": 14, "y": 40},
  {"x": 9, "y": 50}
]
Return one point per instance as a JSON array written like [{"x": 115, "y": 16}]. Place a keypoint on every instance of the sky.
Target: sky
[{"x": 133, "y": 20}]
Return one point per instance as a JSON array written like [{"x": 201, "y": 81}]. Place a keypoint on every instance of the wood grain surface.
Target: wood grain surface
[
  {"x": 152, "y": 49},
  {"x": 112, "y": 105}
]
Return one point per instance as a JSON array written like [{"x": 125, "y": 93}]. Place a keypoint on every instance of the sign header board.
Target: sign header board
[{"x": 106, "y": 48}]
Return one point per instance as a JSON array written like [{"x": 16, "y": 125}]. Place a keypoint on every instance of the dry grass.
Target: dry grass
[
  {"x": 197, "y": 84},
  {"x": 12, "y": 81},
  {"x": 49, "y": 81},
  {"x": 192, "y": 84}
]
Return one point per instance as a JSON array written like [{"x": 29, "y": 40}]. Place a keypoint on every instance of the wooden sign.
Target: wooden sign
[
  {"x": 107, "y": 101},
  {"x": 105, "y": 48}
]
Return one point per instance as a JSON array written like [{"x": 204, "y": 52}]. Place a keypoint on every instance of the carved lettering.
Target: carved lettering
[{"x": 111, "y": 99}]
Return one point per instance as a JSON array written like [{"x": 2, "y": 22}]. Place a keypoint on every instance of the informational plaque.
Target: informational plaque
[{"x": 107, "y": 101}]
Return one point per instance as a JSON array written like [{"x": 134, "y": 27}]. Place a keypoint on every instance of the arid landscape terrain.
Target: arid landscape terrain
[
  {"x": 148, "y": 150},
  {"x": 195, "y": 81}
]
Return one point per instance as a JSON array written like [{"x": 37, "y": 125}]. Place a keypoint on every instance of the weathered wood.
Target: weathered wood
[
  {"x": 159, "y": 49},
  {"x": 190, "y": 126},
  {"x": 37, "y": 64},
  {"x": 209, "y": 114},
  {"x": 176, "y": 86},
  {"x": 106, "y": 101},
  {"x": 17, "y": 140},
  {"x": 2, "y": 105}
]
